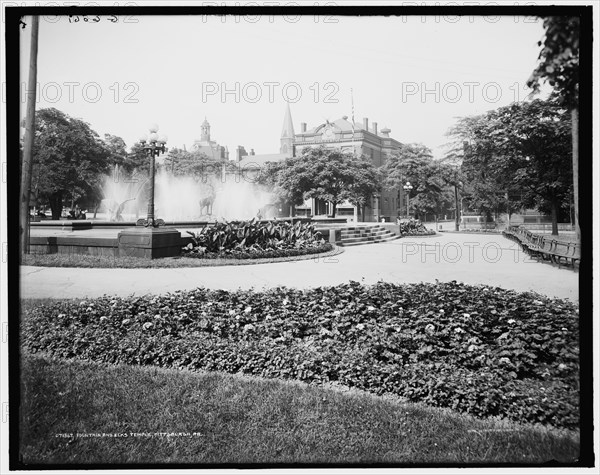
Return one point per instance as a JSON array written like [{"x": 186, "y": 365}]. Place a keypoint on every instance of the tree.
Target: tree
[
  {"x": 540, "y": 153},
  {"x": 193, "y": 164},
  {"x": 414, "y": 163},
  {"x": 136, "y": 161},
  {"x": 523, "y": 147},
  {"x": 69, "y": 157},
  {"x": 559, "y": 65},
  {"x": 117, "y": 149},
  {"x": 367, "y": 181},
  {"x": 485, "y": 175},
  {"x": 326, "y": 174}
]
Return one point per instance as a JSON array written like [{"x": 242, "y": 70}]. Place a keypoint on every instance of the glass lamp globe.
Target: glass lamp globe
[{"x": 153, "y": 128}]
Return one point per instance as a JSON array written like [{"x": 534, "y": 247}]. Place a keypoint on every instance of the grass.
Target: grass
[
  {"x": 234, "y": 419},
  {"x": 126, "y": 262}
]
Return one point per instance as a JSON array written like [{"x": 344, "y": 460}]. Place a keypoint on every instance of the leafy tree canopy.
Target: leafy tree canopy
[
  {"x": 193, "y": 164},
  {"x": 69, "y": 159},
  {"x": 523, "y": 147},
  {"x": 559, "y": 59},
  {"x": 327, "y": 174}
]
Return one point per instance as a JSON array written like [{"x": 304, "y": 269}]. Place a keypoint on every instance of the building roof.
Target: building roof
[
  {"x": 344, "y": 125},
  {"x": 210, "y": 149},
  {"x": 259, "y": 160}
]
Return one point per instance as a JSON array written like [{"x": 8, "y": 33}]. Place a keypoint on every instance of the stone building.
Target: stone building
[
  {"x": 209, "y": 147},
  {"x": 362, "y": 138}
]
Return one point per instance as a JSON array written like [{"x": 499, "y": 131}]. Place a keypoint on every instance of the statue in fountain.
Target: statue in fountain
[
  {"x": 115, "y": 209},
  {"x": 207, "y": 200},
  {"x": 270, "y": 210}
]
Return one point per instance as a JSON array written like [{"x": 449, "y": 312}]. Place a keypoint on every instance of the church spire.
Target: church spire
[{"x": 287, "y": 133}]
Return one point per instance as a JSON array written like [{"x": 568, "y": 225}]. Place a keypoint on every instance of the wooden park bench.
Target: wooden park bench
[
  {"x": 569, "y": 251},
  {"x": 547, "y": 249}
]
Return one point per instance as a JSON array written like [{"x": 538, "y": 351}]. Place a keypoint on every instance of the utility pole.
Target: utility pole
[
  {"x": 27, "y": 165},
  {"x": 507, "y": 210},
  {"x": 456, "y": 213}
]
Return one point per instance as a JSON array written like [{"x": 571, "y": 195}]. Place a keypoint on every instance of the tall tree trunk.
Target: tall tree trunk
[
  {"x": 554, "y": 204},
  {"x": 456, "y": 212},
  {"x": 56, "y": 204},
  {"x": 575, "y": 141},
  {"x": 333, "y": 206}
]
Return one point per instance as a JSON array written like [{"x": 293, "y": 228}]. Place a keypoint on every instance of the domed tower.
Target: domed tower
[{"x": 205, "y": 131}]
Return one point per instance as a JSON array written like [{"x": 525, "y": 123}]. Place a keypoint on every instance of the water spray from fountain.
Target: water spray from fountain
[{"x": 181, "y": 198}]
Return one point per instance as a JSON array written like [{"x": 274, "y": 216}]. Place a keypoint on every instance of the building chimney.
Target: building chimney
[
  {"x": 302, "y": 126},
  {"x": 375, "y": 128},
  {"x": 366, "y": 124}
]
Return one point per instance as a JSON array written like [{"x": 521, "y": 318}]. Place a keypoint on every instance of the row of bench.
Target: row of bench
[{"x": 543, "y": 247}]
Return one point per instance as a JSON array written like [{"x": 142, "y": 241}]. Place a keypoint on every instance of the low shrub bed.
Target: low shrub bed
[
  {"x": 414, "y": 228},
  {"x": 255, "y": 239},
  {"x": 476, "y": 349},
  {"x": 254, "y": 253}
]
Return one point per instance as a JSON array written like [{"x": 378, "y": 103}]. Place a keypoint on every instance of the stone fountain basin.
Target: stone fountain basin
[{"x": 102, "y": 237}]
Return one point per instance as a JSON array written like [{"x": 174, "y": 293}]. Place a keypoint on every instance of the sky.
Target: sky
[{"x": 414, "y": 75}]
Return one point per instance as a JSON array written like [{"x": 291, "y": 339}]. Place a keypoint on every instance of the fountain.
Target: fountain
[
  {"x": 180, "y": 198},
  {"x": 181, "y": 201}
]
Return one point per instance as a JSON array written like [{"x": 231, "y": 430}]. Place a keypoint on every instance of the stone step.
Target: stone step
[
  {"x": 372, "y": 232},
  {"x": 365, "y": 230},
  {"x": 392, "y": 237},
  {"x": 371, "y": 239},
  {"x": 366, "y": 237}
]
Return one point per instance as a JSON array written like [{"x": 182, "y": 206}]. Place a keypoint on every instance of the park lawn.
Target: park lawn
[
  {"x": 235, "y": 419},
  {"x": 126, "y": 262}
]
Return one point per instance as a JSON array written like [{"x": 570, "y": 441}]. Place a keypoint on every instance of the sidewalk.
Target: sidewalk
[{"x": 473, "y": 259}]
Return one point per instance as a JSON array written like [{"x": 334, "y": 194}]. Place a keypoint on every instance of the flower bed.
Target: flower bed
[
  {"x": 254, "y": 253},
  {"x": 255, "y": 240},
  {"x": 414, "y": 228},
  {"x": 476, "y": 349}
]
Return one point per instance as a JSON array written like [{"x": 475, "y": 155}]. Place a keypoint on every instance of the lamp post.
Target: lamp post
[
  {"x": 407, "y": 188},
  {"x": 507, "y": 210},
  {"x": 458, "y": 211},
  {"x": 154, "y": 145}
]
